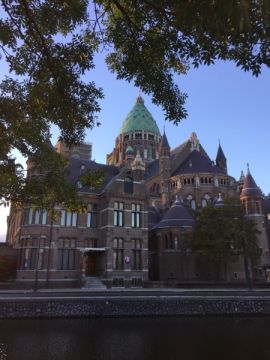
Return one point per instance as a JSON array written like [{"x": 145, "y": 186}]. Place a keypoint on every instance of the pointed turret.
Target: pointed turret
[
  {"x": 250, "y": 187},
  {"x": 165, "y": 170},
  {"x": 221, "y": 160},
  {"x": 251, "y": 195},
  {"x": 241, "y": 181},
  {"x": 164, "y": 144},
  {"x": 130, "y": 154},
  {"x": 252, "y": 200}
]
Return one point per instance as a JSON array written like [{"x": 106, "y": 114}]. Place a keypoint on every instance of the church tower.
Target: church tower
[
  {"x": 140, "y": 132},
  {"x": 164, "y": 170},
  {"x": 251, "y": 196},
  {"x": 252, "y": 199}
]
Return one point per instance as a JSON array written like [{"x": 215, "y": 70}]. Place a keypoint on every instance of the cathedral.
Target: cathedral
[{"x": 133, "y": 232}]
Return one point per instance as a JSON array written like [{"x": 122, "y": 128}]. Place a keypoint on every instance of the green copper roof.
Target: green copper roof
[
  {"x": 139, "y": 119},
  {"x": 129, "y": 149}
]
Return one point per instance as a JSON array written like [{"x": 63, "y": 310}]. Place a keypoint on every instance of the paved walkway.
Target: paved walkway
[{"x": 162, "y": 292}]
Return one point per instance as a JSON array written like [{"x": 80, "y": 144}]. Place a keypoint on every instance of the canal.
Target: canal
[{"x": 136, "y": 338}]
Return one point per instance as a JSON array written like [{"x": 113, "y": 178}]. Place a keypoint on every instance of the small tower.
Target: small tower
[
  {"x": 221, "y": 160},
  {"x": 164, "y": 170},
  {"x": 129, "y": 156},
  {"x": 251, "y": 196},
  {"x": 138, "y": 167},
  {"x": 241, "y": 181}
]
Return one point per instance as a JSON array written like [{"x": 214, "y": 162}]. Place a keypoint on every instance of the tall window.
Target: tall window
[
  {"x": 128, "y": 185},
  {"x": 118, "y": 214},
  {"x": 145, "y": 153},
  {"x": 68, "y": 218},
  {"x": 118, "y": 253},
  {"x": 91, "y": 220},
  {"x": 206, "y": 200},
  {"x": 193, "y": 204},
  {"x": 137, "y": 254},
  {"x": 66, "y": 254},
  {"x": 32, "y": 253},
  {"x": 136, "y": 215},
  {"x": 37, "y": 216},
  {"x": 171, "y": 241}
]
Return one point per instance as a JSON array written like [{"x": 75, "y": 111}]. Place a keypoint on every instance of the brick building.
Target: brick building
[{"x": 135, "y": 223}]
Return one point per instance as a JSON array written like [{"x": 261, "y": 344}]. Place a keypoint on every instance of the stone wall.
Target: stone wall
[{"x": 119, "y": 307}]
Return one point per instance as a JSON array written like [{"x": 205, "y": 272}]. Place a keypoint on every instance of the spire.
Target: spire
[
  {"x": 250, "y": 187},
  {"x": 139, "y": 99},
  {"x": 164, "y": 141},
  {"x": 242, "y": 177},
  {"x": 220, "y": 154},
  {"x": 221, "y": 160}
]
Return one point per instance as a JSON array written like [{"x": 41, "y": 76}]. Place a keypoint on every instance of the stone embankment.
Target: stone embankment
[{"x": 117, "y": 306}]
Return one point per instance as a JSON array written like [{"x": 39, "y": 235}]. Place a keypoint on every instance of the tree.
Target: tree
[
  {"x": 223, "y": 233},
  {"x": 49, "y": 44}
]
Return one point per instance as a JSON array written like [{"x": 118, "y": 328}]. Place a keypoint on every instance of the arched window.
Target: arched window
[
  {"x": 206, "y": 200},
  {"x": 176, "y": 242},
  {"x": 204, "y": 203},
  {"x": 128, "y": 185},
  {"x": 193, "y": 204}
]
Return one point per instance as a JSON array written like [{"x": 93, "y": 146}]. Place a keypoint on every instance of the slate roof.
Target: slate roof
[
  {"x": 179, "y": 148},
  {"x": 154, "y": 216},
  {"x": 177, "y": 216},
  {"x": 197, "y": 163},
  {"x": 250, "y": 187},
  {"x": 75, "y": 171},
  {"x": 220, "y": 154},
  {"x": 164, "y": 142},
  {"x": 152, "y": 169}
]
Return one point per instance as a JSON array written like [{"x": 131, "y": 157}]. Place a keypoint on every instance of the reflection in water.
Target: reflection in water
[{"x": 135, "y": 338}]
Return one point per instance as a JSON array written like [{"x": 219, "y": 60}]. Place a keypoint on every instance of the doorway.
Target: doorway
[{"x": 90, "y": 264}]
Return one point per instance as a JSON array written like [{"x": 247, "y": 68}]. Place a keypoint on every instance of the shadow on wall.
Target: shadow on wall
[{"x": 8, "y": 262}]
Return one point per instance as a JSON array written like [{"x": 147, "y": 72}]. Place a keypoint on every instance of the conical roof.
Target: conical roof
[
  {"x": 164, "y": 142},
  {"x": 177, "y": 216},
  {"x": 242, "y": 177},
  {"x": 139, "y": 119},
  {"x": 250, "y": 187},
  {"x": 220, "y": 154}
]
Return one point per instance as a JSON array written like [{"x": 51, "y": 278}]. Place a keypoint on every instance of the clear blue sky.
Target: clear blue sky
[{"x": 223, "y": 103}]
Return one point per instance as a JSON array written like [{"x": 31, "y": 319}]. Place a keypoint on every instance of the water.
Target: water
[{"x": 136, "y": 338}]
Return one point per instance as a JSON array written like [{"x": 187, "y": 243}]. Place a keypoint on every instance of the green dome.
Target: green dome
[
  {"x": 139, "y": 119},
  {"x": 129, "y": 149}
]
